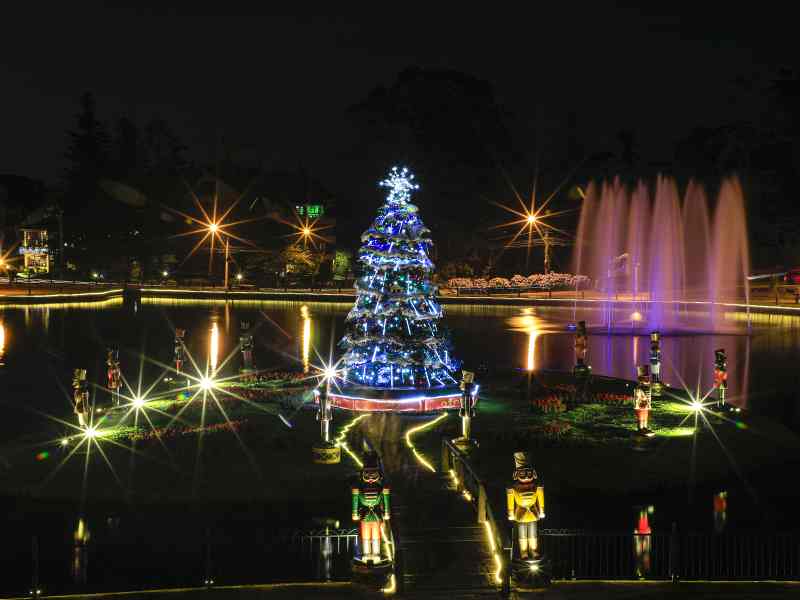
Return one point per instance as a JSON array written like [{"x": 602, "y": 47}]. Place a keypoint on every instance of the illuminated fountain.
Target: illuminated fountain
[{"x": 669, "y": 260}]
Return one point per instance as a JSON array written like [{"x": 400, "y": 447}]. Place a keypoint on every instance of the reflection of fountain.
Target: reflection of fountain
[{"x": 664, "y": 253}]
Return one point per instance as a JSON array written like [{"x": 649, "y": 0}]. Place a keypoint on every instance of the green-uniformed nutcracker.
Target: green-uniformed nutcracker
[{"x": 371, "y": 507}]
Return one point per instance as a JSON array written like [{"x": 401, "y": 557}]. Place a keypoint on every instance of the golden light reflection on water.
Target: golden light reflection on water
[
  {"x": 528, "y": 322},
  {"x": 306, "y": 337},
  {"x": 213, "y": 349},
  {"x": 532, "y": 335},
  {"x": 2, "y": 340}
]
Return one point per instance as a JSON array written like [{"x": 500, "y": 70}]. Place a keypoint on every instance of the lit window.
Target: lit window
[{"x": 315, "y": 210}]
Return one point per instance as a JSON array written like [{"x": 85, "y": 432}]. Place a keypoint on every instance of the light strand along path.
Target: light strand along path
[{"x": 442, "y": 551}]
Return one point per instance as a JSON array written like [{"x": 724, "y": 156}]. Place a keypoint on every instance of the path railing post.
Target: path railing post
[
  {"x": 35, "y": 589},
  {"x": 208, "y": 580},
  {"x": 445, "y": 456},
  {"x": 674, "y": 554},
  {"x": 481, "y": 502}
]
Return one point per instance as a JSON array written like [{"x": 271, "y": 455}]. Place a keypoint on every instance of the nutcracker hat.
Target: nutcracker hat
[
  {"x": 521, "y": 460},
  {"x": 372, "y": 463}
]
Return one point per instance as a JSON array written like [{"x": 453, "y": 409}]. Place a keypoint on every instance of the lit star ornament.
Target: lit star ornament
[{"x": 400, "y": 183}]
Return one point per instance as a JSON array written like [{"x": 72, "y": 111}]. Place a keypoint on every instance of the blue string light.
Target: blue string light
[{"x": 389, "y": 338}]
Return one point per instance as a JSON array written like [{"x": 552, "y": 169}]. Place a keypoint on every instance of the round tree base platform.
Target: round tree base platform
[{"x": 367, "y": 399}]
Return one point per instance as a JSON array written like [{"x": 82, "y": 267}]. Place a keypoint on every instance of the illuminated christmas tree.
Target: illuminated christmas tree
[{"x": 394, "y": 338}]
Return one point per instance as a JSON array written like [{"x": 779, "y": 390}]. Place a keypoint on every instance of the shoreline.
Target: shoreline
[{"x": 55, "y": 294}]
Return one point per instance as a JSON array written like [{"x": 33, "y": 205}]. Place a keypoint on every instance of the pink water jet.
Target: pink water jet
[{"x": 663, "y": 253}]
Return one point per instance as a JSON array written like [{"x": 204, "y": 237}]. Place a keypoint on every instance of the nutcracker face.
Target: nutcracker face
[
  {"x": 524, "y": 475},
  {"x": 370, "y": 476}
]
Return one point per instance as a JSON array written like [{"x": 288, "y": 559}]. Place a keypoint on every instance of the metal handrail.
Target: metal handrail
[{"x": 466, "y": 479}]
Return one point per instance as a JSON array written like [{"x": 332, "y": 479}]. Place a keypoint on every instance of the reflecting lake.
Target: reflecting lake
[{"x": 40, "y": 347}]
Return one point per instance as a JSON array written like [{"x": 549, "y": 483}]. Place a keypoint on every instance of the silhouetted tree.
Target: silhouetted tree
[
  {"x": 164, "y": 149},
  {"x": 449, "y": 127},
  {"x": 87, "y": 153},
  {"x": 128, "y": 153}
]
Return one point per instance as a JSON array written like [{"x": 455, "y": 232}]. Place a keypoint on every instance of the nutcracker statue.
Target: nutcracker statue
[
  {"x": 642, "y": 400},
  {"x": 246, "y": 344},
  {"x": 720, "y": 511},
  {"x": 642, "y": 540},
  {"x": 525, "y": 500},
  {"x": 80, "y": 396},
  {"x": 581, "y": 369},
  {"x": 655, "y": 364},
  {"x": 469, "y": 397},
  {"x": 114, "y": 374},
  {"x": 371, "y": 508},
  {"x": 721, "y": 376}
]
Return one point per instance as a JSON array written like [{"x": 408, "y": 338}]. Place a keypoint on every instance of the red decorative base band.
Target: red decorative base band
[{"x": 376, "y": 400}]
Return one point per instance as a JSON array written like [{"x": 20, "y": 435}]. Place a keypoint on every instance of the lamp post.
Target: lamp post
[
  {"x": 325, "y": 452},
  {"x": 467, "y": 411}
]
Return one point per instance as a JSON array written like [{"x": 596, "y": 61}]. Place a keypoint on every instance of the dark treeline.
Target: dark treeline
[{"x": 124, "y": 176}]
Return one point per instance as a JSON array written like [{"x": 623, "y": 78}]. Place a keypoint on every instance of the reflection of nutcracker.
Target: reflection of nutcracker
[
  {"x": 371, "y": 508},
  {"x": 581, "y": 369},
  {"x": 80, "y": 552},
  {"x": 114, "y": 373},
  {"x": 655, "y": 364},
  {"x": 720, "y": 376},
  {"x": 246, "y": 344},
  {"x": 642, "y": 400},
  {"x": 525, "y": 499},
  {"x": 720, "y": 511},
  {"x": 179, "y": 350},
  {"x": 81, "y": 396},
  {"x": 642, "y": 541}
]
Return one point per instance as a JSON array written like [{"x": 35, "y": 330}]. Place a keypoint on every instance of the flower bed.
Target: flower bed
[
  {"x": 536, "y": 281},
  {"x": 562, "y": 397}
]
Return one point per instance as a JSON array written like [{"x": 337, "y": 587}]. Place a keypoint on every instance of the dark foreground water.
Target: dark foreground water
[{"x": 169, "y": 546}]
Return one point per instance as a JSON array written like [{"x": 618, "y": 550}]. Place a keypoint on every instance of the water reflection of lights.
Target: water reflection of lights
[
  {"x": 427, "y": 425},
  {"x": 532, "y": 335},
  {"x": 306, "y": 337},
  {"x": 341, "y": 439},
  {"x": 2, "y": 341},
  {"x": 213, "y": 348}
]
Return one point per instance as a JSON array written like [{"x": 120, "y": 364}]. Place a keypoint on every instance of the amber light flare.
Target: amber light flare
[{"x": 213, "y": 226}]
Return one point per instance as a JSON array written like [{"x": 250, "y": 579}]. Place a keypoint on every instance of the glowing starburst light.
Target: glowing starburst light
[
  {"x": 533, "y": 221},
  {"x": 307, "y": 232},
  {"x": 206, "y": 383},
  {"x": 213, "y": 226},
  {"x": 138, "y": 402}
]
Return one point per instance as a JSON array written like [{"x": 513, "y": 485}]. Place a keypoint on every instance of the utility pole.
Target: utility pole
[{"x": 227, "y": 255}]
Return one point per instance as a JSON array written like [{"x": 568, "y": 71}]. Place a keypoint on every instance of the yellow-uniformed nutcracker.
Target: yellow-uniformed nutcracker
[{"x": 525, "y": 505}]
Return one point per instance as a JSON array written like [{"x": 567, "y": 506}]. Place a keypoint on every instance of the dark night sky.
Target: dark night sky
[{"x": 276, "y": 86}]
